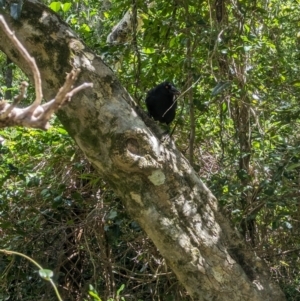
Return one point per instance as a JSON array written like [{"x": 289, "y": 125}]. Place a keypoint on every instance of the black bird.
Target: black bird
[{"x": 161, "y": 102}]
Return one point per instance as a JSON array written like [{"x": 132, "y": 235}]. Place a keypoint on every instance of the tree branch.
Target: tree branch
[{"x": 35, "y": 115}]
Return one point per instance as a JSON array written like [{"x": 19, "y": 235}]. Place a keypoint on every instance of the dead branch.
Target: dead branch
[{"x": 35, "y": 115}]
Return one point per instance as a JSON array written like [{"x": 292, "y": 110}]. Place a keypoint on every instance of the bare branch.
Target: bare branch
[
  {"x": 64, "y": 94},
  {"x": 30, "y": 60},
  {"x": 36, "y": 115}
]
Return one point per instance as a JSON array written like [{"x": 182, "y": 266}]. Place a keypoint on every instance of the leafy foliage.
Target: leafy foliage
[{"x": 238, "y": 63}]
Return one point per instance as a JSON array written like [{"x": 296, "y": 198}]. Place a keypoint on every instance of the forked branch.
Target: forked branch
[{"x": 35, "y": 115}]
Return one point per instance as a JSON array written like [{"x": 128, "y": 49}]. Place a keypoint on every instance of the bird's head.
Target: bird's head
[{"x": 170, "y": 88}]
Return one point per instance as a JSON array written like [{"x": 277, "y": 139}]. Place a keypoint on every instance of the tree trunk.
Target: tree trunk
[{"x": 158, "y": 186}]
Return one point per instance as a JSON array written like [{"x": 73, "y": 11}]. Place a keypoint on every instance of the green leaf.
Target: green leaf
[
  {"x": 246, "y": 28},
  {"x": 296, "y": 83},
  {"x": 93, "y": 293},
  {"x": 66, "y": 6},
  {"x": 256, "y": 144},
  {"x": 149, "y": 50},
  {"x": 293, "y": 166},
  {"x": 95, "y": 296},
  {"x": 55, "y": 6},
  {"x": 85, "y": 28},
  {"x": 172, "y": 42},
  {"x": 112, "y": 214},
  {"x": 120, "y": 289},
  {"x": 46, "y": 274}
]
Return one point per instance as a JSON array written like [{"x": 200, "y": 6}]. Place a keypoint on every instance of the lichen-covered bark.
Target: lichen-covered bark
[{"x": 158, "y": 186}]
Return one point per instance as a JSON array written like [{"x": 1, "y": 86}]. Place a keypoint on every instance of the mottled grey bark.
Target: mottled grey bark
[{"x": 158, "y": 186}]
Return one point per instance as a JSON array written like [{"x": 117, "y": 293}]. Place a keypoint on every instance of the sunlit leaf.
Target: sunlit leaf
[
  {"x": 85, "y": 28},
  {"x": 296, "y": 83},
  {"x": 149, "y": 50},
  {"x": 93, "y": 293},
  {"x": 247, "y": 48},
  {"x": 66, "y": 6},
  {"x": 55, "y": 6}
]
